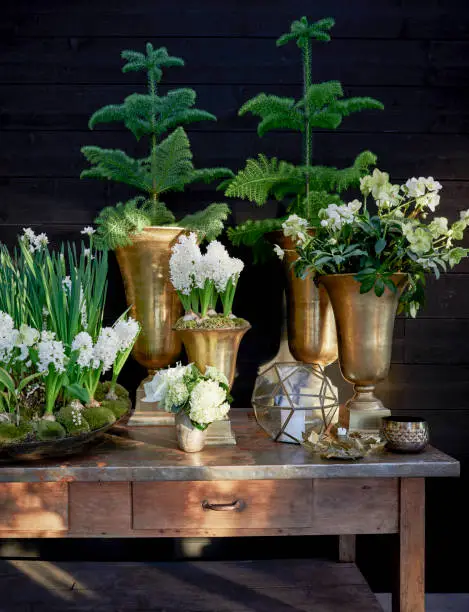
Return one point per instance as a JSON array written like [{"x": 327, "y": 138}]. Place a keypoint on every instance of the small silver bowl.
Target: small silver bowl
[{"x": 405, "y": 434}]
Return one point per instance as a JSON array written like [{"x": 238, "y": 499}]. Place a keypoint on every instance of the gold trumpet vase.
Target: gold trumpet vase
[
  {"x": 218, "y": 348},
  {"x": 154, "y": 303},
  {"x": 365, "y": 324}
]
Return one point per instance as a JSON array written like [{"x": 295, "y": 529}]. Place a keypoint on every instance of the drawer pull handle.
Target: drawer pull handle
[{"x": 237, "y": 505}]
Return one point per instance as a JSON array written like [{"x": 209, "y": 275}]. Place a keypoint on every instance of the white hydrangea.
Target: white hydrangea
[
  {"x": 157, "y": 388},
  {"x": 184, "y": 262},
  {"x": 84, "y": 344},
  {"x": 126, "y": 330},
  {"x": 106, "y": 349},
  {"x": 176, "y": 396},
  {"x": 50, "y": 353},
  {"x": 216, "y": 375},
  {"x": 296, "y": 227},
  {"x": 207, "y": 402}
]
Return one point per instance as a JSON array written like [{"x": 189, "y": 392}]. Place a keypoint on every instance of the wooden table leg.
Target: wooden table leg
[
  {"x": 347, "y": 548},
  {"x": 409, "y": 595}
]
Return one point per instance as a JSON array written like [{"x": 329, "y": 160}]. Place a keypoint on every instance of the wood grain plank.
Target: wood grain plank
[
  {"x": 350, "y": 507},
  {"x": 38, "y": 507},
  {"x": 99, "y": 508},
  {"x": 347, "y": 548},
  {"x": 178, "y": 505},
  {"x": 411, "y": 595}
]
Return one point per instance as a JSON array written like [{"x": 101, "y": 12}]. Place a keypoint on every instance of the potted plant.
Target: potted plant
[
  {"x": 54, "y": 348},
  {"x": 196, "y": 399},
  {"x": 303, "y": 189},
  {"x": 143, "y": 229},
  {"x": 374, "y": 264}
]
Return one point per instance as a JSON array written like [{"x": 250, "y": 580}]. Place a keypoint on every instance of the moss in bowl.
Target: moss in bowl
[
  {"x": 98, "y": 417},
  {"x": 118, "y": 407},
  {"x": 104, "y": 388},
  {"x": 211, "y": 322},
  {"x": 50, "y": 430},
  {"x": 11, "y": 433},
  {"x": 71, "y": 417}
]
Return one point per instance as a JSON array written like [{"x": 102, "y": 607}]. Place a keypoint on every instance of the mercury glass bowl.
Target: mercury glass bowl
[{"x": 405, "y": 434}]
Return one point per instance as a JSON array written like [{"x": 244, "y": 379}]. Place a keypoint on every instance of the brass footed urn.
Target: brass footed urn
[
  {"x": 154, "y": 303},
  {"x": 365, "y": 324}
]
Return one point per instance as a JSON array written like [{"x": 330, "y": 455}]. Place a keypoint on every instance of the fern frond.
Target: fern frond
[
  {"x": 158, "y": 213},
  {"x": 152, "y": 62},
  {"x": 113, "y": 228},
  {"x": 263, "y": 176},
  {"x": 350, "y": 177},
  {"x": 209, "y": 175},
  {"x": 276, "y": 113},
  {"x": 115, "y": 165},
  {"x": 354, "y": 105},
  {"x": 302, "y": 31},
  {"x": 320, "y": 95},
  {"x": 107, "y": 114},
  {"x": 252, "y": 234},
  {"x": 172, "y": 165},
  {"x": 208, "y": 223}
]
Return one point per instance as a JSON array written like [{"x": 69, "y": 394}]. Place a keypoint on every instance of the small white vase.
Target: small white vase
[{"x": 189, "y": 438}]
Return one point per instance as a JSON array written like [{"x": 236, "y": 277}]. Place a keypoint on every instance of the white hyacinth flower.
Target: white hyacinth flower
[
  {"x": 84, "y": 344},
  {"x": 51, "y": 353},
  {"x": 106, "y": 348},
  {"x": 127, "y": 331},
  {"x": 184, "y": 261}
]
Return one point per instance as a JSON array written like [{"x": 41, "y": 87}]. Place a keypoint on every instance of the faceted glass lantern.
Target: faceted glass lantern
[{"x": 292, "y": 398}]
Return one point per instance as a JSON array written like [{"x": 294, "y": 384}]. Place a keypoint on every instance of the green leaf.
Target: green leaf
[
  {"x": 7, "y": 381},
  {"x": 172, "y": 164},
  {"x": 380, "y": 245},
  {"x": 276, "y": 113},
  {"x": 78, "y": 392},
  {"x": 208, "y": 223},
  {"x": 379, "y": 287},
  {"x": 28, "y": 380},
  {"x": 117, "y": 166},
  {"x": 367, "y": 283}
]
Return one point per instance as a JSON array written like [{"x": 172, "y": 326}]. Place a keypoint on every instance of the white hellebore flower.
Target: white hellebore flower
[
  {"x": 279, "y": 251},
  {"x": 416, "y": 187},
  {"x": 295, "y": 227},
  {"x": 432, "y": 185},
  {"x": 208, "y": 402},
  {"x": 106, "y": 349}
]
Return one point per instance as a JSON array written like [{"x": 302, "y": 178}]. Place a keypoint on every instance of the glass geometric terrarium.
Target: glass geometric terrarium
[{"x": 292, "y": 398}]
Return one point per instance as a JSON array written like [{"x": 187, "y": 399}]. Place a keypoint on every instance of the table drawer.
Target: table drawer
[{"x": 241, "y": 504}]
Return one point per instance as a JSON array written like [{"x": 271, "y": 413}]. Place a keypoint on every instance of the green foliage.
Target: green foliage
[
  {"x": 207, "y": 223},
  {"x": 252, "y": 234},
  {"x": 168, "y": 165},
  {"x": 306, "y": 188},
  {"x": 98, "y": 416},
  {"x": 10, "y": 433},
  {"x": 50, "y": 430},
  {"x": 104, "y": 388},
  {"x": 116, "y": 224}
]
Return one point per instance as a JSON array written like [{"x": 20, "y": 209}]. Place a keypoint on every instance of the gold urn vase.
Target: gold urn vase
[
  {"x": 312, "y": 336},
  {"x": 154, "y": 303},
  {"x": 218, "y": 348},
  {"x": 365, "y": 324}
]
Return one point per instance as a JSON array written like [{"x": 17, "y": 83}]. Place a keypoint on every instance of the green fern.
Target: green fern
[
  {"x": 208, "y": 223},
  {"x": 168, "y": 165},
  {"x": 306, "y": 188},
  {"x": 253, "y": 234}
]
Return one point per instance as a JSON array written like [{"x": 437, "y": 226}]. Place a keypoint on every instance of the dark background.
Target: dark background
[{"x": 59, "y": 61}]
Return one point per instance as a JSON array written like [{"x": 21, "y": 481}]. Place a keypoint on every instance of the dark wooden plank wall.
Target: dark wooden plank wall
[{"x": 59, "y": 61}]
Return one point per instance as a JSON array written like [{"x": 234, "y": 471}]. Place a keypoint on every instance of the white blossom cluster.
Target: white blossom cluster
[
  {"x": 335, "y": 216},
  {"x": 190, "y": 268},
  {"x": 8, "y": 337},
  {"x": 295, "y": 227},
  {"x": 34, "y": 242},
  {"x": 51, "y": 352},
  {"x": 204, "y": 403}
]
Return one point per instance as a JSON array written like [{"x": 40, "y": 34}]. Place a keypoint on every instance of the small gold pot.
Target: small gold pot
[
  {"x": 312, "y": 336},
  {"x": 152, "y": 299},
  {"x": 214, "y": 347},
  {"x": 365, "y": 325},
  {"x": 405, "y": 434}
]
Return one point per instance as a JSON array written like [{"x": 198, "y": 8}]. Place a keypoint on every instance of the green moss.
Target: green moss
[
  {"x": 118, "y": 407},
  {"x": 103, "y": 390},
  {"x": 50, "y": 430},
  {"x": 67, "y": 417},
  {"x": 213, "y": 322},
  {"x": 10, "y": 433},
  {"x": 99, "y": 417}
]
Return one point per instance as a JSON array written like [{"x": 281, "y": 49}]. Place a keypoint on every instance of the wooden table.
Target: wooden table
[{"x": 137, "y": 484}]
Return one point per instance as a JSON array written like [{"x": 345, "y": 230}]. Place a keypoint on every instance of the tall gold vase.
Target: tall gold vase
[
  {"x": 365, "y": 325},
  {"x": 311, "y": 328},
  {"x": 218, "y": 348},
  {"x": 154, "y": 303}
]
